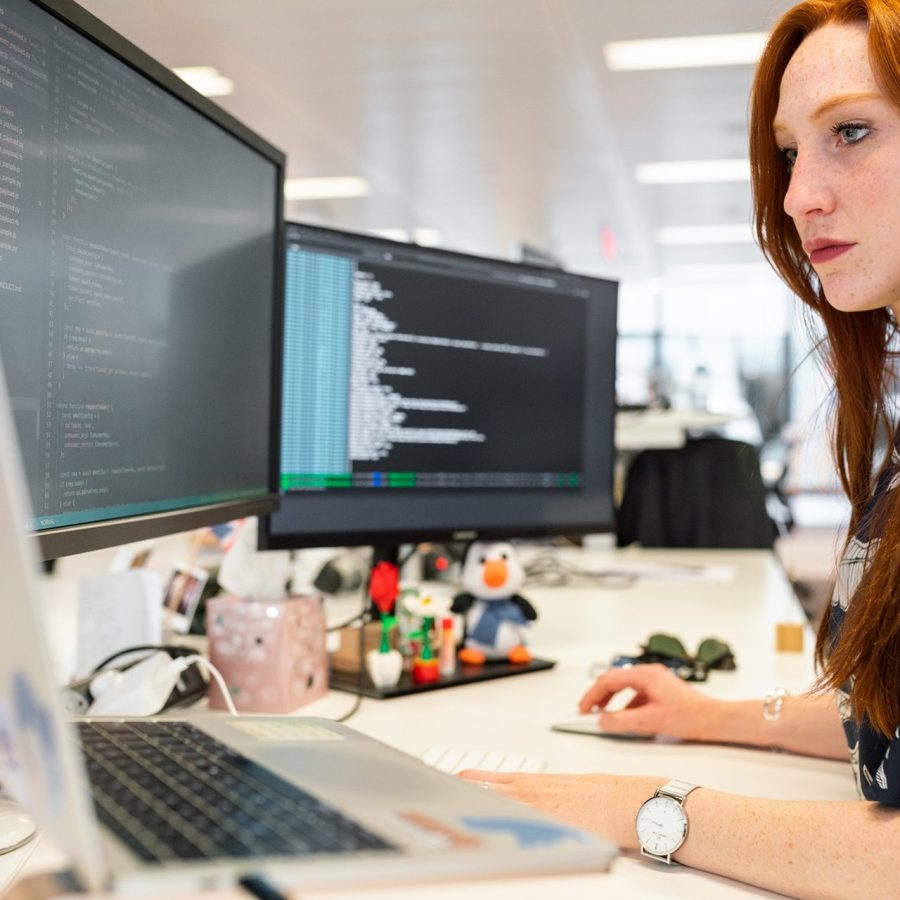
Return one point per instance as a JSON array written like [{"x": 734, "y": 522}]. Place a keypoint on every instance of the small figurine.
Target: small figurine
[
  {"x": 426, "y": 666},
  {"x": 496, "y": 617}
]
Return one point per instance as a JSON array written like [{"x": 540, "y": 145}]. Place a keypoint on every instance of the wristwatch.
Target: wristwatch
[{"x": 662, "y": 823}]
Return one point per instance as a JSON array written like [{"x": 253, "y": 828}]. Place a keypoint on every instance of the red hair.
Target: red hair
[{"x": 859, "y": 351}]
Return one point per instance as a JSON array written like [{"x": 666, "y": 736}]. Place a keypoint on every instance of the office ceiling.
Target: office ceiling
[{"x": 495, "y": 122}]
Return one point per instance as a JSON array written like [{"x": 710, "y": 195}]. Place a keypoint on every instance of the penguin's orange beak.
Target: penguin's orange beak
[{"x": 494, "y": 572}]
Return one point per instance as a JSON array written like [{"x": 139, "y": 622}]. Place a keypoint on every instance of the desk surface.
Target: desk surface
[
  {"x": 669, "y": 428},
  {"x": 582, "y": 624}
]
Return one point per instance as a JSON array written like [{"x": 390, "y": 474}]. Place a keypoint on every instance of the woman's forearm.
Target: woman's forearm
[
  {"x": 808, "y": 724},
  {"x": 810, "y": 849}
]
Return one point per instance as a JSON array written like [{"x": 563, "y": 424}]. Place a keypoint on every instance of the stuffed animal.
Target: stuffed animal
[{"x": 496, "y": 617}]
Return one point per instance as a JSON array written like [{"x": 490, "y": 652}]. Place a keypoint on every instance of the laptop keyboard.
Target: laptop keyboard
[{"x": 172, "y": 792}]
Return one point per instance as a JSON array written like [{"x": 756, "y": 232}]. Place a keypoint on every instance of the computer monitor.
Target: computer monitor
[
  {"x": 141, "y": 251},
  {"x": 430, "y": 395}
]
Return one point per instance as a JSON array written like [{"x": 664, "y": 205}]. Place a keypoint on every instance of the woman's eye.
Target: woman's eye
[
  {"x": 790, "y": 156},
  {"x": 851, "y": 133}
]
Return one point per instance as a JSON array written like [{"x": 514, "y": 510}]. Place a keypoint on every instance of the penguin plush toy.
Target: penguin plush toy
[{"x": 496, "y": 617}]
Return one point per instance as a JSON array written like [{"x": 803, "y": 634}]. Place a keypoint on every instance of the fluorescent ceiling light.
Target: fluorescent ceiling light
[
  {"x": 680, "y": 235},
  {"x": 424, "y": 237},
  {"x": 693, "y": 171},
  {"x": 392, "y": 234},
  {"x": 206, "y": 80},
  {"x": 428, "y": 237},
  {"x": 685, "y": 52},
  {"x": 325, "y": 188}
]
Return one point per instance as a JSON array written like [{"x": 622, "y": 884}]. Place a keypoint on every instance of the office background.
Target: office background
[
  {"x": 518, "y": 128},
  {"x": 682, "y": 341}
]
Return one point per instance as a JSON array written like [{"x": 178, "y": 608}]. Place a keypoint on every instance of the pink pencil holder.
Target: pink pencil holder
[{"x": 271, "y": 655}]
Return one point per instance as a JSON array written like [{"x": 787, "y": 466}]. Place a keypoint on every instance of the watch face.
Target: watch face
[{"x": 661, "y": 825}]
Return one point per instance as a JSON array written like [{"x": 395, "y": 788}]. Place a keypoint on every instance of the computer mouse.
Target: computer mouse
[
  {"x": 16, "y": 827},
  {"x": 589, "y": 723}
]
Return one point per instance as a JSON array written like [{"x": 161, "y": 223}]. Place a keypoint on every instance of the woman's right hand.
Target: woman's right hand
[{"x": 662, "y": 704}]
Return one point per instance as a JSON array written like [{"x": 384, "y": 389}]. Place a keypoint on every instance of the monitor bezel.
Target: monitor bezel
[
  {"x": 68, "y": 540},
  {"x": 269, "y": 540}
]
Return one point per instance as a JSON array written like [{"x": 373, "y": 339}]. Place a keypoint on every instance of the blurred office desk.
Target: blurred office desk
[
  {"x": 585, "y": 623},
  {"x": 662, "y": 428},
  {"x": 665, "y": 429}
]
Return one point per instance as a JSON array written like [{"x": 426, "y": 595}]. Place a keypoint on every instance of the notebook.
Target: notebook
[{"x": 411, "y": 822}]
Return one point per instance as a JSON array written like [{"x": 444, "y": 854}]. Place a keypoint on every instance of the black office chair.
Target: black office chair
[{"x": 708, "y": 493}]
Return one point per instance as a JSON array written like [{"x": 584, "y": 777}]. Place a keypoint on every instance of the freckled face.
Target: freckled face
[{"x": 841, "y": 138}]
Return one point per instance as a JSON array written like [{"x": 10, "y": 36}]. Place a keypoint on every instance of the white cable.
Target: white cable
[{"x": 185, "y": 661}]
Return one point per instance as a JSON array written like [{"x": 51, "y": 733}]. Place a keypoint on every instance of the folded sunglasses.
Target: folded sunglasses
[{"x": 670, "y": 651}]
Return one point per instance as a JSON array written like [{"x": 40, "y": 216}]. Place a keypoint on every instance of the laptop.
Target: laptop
[{"x": 299, "y": 801}]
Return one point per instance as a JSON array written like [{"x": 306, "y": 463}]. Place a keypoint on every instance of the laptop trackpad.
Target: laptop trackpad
[{"x": 332, "y": 761}]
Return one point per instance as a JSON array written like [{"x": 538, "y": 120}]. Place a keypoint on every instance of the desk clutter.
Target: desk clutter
[
  {"x": 134, "y": 622},
  {"x": 424, "y": 638},
  {"x": 270, "y": 649}
]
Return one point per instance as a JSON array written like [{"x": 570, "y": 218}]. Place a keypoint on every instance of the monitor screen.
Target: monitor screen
[
  {"x": 432, "y": 395},
  {"x": 141, "y": 251}
]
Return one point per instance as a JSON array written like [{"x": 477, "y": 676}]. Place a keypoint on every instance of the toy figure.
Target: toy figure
[
  {"x": 425, "y": 667},
  {"x": 496, "y": 617}
]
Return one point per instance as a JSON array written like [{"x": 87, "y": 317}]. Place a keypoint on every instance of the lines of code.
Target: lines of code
[
  {"x": 136, "y": 242},
  {"x": 453, "y": 382}
]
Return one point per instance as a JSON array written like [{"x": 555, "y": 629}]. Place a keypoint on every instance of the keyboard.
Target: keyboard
[
  {"x": 172, "y": 792},
  {"x": 452, "y": 761}
]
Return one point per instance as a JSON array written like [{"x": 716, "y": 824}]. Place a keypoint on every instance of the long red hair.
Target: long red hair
[{"x": 859, "y": 351}]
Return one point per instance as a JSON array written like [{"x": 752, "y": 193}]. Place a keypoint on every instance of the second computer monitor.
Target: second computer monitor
[{"x": 431, "y": 395}]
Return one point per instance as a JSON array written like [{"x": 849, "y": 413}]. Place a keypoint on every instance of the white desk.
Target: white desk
[
  {"x": 663, "y": 428},
  {"x": 582, "y": 625}
]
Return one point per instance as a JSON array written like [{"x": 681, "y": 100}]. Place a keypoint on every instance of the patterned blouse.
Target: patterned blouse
[{"x": 875, "y": 758}]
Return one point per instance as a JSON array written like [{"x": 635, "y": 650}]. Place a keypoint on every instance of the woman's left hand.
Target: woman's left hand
[{"x": 602, "y": 804}]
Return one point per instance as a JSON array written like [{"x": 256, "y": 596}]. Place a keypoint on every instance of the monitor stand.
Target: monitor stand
[{"x": 360, "y": 683}]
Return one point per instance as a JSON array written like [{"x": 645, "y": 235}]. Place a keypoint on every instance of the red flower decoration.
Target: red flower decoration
[{"x": 384, "y": 585}]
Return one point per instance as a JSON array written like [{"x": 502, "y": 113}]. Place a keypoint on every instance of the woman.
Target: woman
[{"x": 825, "y": 162}]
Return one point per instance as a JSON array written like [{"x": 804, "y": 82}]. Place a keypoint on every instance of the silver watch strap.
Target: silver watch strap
[{"x": 676, "y": 789}]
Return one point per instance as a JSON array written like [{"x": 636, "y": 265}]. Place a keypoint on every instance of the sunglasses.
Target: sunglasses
[
  {"x": 670, "y": 651},
  {"x": 711, "y": 654}
]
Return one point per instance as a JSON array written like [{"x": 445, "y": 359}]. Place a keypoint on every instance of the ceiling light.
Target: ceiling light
[
  {"x": 428, "y": 237},
  {"x": 693, "y": 171},
  {"x": 424, "y": 237},
  {"x": 391, "y": 234},
  {"x": 704, "y": 234},
  {"x": 685, "y": 52},
  {"x": 325, "y": 188},
  {"x": 206, "y": 80}
]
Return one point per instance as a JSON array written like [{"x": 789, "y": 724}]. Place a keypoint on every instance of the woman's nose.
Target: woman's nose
[{"x": 809, "y": 192}]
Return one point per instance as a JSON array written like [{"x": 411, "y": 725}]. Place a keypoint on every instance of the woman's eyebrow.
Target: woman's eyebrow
[
  {"x": 841, "y": 99},
  {"x": 831, "y": 104}
]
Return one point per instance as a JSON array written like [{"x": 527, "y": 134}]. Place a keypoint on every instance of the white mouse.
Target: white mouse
[{"x": 16, "y": 827}]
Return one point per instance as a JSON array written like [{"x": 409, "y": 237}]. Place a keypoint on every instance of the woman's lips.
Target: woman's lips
[{"x": 828, "y": 253}]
